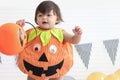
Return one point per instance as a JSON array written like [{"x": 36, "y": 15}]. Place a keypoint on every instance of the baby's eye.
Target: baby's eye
[
  {"x": 53, "y": 49},
  {"x": 36, "y": 47},
  {"x": 49, "y": 15},
  {"x": 39, "y": 15}
]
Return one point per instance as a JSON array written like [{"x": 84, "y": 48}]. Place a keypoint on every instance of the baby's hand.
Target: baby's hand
[
  {"x": 21, "y": 22},
  {"x": 77, "y": 31}
]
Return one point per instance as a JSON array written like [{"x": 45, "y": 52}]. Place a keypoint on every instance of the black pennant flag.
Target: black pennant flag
[
  {"x": 84, "y": 52},
  {"x": 111, "y": 46}
]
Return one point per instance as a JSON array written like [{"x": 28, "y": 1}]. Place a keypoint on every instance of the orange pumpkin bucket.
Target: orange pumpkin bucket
[
  {"x": 46, "y": 55},
  {"x": 12, "y": 39}
]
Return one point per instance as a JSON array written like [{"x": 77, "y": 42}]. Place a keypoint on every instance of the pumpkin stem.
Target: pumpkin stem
[{"x": 32, "y": 26}]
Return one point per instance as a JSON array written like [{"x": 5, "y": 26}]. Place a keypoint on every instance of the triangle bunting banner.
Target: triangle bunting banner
[
  {"x": 0, "y": 60},
  {"x": 16, "y": 59},
  {"x": 84, "y": 52},
  {"x": 111, "y": 46}
]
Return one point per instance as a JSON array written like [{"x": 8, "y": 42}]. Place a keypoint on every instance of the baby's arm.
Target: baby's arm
[
  {"x": 21, "y": 23},
  {"x": 74, "y": 39}
]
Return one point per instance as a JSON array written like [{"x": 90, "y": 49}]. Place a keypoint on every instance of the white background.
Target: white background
[{"x": 99, "y": 20}]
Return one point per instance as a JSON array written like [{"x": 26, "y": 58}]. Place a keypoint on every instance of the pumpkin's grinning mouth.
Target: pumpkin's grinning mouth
[{"x": 38, "y": 71}]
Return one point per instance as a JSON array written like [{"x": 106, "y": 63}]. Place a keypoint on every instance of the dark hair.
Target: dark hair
[{"x": 47, "y": 6}]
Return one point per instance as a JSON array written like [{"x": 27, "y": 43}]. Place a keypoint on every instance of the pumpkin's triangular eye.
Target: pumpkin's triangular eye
[
  {"x": 33, "y": 34},
  {"x": 58, "y": 34},
  {"x": 45, "y": 37}
]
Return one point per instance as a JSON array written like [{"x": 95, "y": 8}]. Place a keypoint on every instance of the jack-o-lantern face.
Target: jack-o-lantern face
[{"x": 46, "y": 56}]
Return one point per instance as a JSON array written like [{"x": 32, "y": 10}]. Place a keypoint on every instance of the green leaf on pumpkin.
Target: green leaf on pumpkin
[
  {"x": 45, "y": 37},
  {"x": 58, "y": 34},
  {"x": 33, "y": 34}
]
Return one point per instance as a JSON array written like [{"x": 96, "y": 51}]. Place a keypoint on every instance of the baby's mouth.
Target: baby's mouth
[{"x": 44, "y": 22}]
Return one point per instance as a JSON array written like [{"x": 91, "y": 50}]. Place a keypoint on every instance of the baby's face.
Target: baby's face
[{"x": 47, "y": 21}]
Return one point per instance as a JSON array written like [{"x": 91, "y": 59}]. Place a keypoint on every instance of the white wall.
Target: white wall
[{"x": 99, "y": 19}]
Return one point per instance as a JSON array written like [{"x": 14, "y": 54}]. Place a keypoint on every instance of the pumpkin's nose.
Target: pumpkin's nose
[{"x": 43, "y": 58}]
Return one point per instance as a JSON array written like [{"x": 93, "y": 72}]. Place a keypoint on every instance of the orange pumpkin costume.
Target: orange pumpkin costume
[{"x": 46, "y": 54}]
